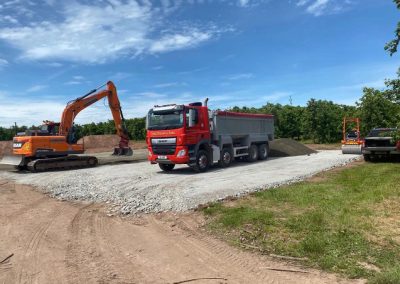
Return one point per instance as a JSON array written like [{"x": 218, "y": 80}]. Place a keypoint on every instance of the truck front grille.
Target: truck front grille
[
  {"x": 164, "y": 149},
  {"x": 378, "y": 143}
]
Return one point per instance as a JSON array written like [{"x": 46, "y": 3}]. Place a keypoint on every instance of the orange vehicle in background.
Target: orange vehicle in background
[
  {"x": 352, "y": 141},
  {"x": 55, "y": 146}
]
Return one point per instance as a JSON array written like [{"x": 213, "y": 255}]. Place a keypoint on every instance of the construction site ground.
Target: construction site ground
[
  {"x": 50, "y": 241},
  {"x": 83, "y": 235}
]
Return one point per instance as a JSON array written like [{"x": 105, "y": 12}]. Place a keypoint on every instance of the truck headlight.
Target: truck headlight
[{"x": 181, "y": 153}]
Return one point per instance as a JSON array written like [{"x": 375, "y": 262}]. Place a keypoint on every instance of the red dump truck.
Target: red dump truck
[{"x": 199, "y": 137}]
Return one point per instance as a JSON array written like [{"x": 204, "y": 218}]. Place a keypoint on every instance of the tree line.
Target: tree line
[
  {"x": 319, "y": 121},
  {"x": 135, "y": 126}
]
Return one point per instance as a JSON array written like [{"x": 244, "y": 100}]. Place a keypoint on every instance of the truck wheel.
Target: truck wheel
[
  {"x": 202, "y": 162},
  {"x": 253, "y": 154},
  {"x": 367, "y": 158},
  {"x": 167, "y": 167},
  {"x": 262, "y": 152},
  {"x": 226, "y": 158}
]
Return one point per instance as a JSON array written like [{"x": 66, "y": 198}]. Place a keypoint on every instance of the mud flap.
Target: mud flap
[{"x": 12, "y": 160}]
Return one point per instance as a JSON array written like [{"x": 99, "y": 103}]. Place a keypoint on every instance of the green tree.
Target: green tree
[
  {"x": 392, "y": 46},
  {"x": 323, "y": 120},
  {"x": 376, "y": 110}
]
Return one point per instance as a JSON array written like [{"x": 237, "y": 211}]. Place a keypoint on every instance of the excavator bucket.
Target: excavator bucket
[
  {"x": 11, "y": 160},
  {"x": 354, "y": 149},
  {"x": 123, "y": 151}
]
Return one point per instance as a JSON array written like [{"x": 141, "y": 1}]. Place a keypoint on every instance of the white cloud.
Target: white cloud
[
  {"x": 166, "y": 85},
  {"x": 3, "y": 63},
  {"x": 100, "y": 32},
  {"x": 187, "y": 39},
  {"x": 324, "y": 7},
  {"x": 54, "y": 64},
  {"x": 318, "y": 7},
  {"x": 302, "y": 2},
  {"x": 73, "y": 83},
  {"x": 240, "y": 76},
  {"x": 243, "y": 3},
  {"x": 8, "y": 19},
  {"x": 36, "y": 88},
  {"x": 32, "y": 112}
]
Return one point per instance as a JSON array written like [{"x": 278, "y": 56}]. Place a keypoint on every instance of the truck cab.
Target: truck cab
[{"x": 176, "y": 132}]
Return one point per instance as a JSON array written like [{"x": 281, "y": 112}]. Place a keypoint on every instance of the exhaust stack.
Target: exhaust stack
[{"x": 205, "y": 102}]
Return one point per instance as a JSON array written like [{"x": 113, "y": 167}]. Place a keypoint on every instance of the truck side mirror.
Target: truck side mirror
[{"x": 192, "y": 117}]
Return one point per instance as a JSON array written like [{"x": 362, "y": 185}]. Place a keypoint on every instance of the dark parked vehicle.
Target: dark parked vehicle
[{"x": 381, "y": 143}]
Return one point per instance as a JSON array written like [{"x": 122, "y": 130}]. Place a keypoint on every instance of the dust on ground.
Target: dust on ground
[{"x": 44, "y": 240}]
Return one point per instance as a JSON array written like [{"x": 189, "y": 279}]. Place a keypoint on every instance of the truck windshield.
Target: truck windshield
[
  {"x": 165, "y": 120},
  {"x": 388, "y": 132}
]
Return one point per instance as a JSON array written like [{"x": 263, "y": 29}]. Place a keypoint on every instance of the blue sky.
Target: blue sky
[{"x": 239, "y": 52}]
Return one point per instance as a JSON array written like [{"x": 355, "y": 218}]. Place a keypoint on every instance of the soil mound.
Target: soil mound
[
  {"x": 288, "y": 147},
  {"x": 106, "y": 143},
  {"x": 5, "y": 148}
]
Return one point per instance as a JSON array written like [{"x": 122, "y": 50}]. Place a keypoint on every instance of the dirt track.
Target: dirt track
[{"x": 63, "y": 242}]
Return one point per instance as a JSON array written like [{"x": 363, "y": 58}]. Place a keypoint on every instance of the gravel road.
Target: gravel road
[{"x": 140, "y": 187}]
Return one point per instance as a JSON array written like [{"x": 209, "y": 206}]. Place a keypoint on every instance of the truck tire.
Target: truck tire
[
  {"x": 253, "y": 154},
  {"x": 167, "y": 167},
  {"x": 262, "y": 152},
  {"x": 226, "y": 158},
  {"x": 367, "y": 157},
  {"x": 202, "y": 162}
]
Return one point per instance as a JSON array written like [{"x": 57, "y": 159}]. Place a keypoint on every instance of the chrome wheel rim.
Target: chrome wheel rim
[
  {"x": 227, "y": 158},
  {"x": 203, "y": 161}
]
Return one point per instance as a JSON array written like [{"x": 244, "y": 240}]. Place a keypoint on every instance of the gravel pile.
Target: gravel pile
[{"x": 141, "y": 187}]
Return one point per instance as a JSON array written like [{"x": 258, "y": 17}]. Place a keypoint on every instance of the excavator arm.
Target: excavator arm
[{"x": 74, "y": 107}]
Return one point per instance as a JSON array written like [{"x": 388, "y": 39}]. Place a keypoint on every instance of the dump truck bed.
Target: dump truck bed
[{"x": 259, "y": 127}]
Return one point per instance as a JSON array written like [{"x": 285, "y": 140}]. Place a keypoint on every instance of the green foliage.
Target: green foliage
[
  {"x": 135, "y": 126},
  {"x": 8, "y": 133},
  {"x": 392, "y": 46},
  {"x": 376, "y": 110},
  {"x": 340, "y": 223}
]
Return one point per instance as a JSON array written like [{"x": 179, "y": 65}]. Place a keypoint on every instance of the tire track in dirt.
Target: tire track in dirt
[
  {"x": 215, "y": 256},
  {"x": 28, "y": 268},
  {"x": 235, "y": 265},
  {"x": 91, "y": 255},
  {"x": 126, "y": 270},
  {"x": 77, "y": 253}
]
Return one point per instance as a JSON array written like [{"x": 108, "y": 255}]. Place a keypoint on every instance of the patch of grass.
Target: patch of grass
[
  {"x": 391, "y": 276},
  {"x": 340, "y": 223}
]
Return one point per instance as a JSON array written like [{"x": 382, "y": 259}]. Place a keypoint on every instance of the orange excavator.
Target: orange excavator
[{"x": 55, "y": 146}]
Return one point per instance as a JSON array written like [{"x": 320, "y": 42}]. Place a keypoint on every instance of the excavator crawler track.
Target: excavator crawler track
[{"x": 62, "y": 163}]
